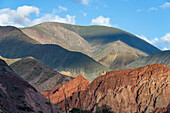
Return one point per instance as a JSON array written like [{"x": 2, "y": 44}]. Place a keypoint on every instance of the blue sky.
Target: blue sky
[{"x": 148, "y": 19}]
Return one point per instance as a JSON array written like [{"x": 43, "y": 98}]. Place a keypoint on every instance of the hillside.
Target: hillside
[
  {"x": 54, "y": 56},
  {"x": 162, "y": 57},
  {"x": 18, "y": 96},
  {"x": 40, "y": 76},
  {"x": 144, "y": 89},
  {"x": 55, "y": 34},
  {"x": 117, "y": 61},
  {"x": 14, "y": 34},
  {"x": 95, "y": 41},
  {"x": 57, "y": 94}
]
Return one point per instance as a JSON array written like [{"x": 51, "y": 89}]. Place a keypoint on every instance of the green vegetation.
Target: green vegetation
[
  {"x": 37, "y": 104},
  {"x": 1, "y": 95},
  {"x": 75, "y": 110},
  {"x": 15, "y": 87},
  {"x": 48, "y": 103},
  {"x": 40, "y": 111},
  {"x": 3, "y": 110}
]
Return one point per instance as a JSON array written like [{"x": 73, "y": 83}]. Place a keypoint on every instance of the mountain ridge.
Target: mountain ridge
[
  {"x": 52, "y": 55},
  {"x": 96, "y": 36}
]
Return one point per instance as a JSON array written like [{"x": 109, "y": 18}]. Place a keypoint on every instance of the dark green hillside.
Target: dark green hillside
[
  {"x": 54, "y": 56},
  {"x": 10, "y": 32},
  {"x": 162, "y": 57},
  {"x": 39, "y": 75}
]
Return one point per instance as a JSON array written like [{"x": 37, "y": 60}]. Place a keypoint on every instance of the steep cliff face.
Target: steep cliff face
[
  {"x": 135, "y": 90},
  {"x": 18, "y": 96},
  {"x": 57, "y": 94}
]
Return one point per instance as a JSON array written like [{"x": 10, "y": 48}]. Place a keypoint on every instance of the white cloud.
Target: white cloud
[
  {"x": 62, "y": 8},
  {"x": 17, "y": 17},
  {"x": 163, "y": 43},
  {"x": 155, "y": 40},
  {"x": 152, "y": 9},
  {"x": 54, "y": 18},
  {"x": 84, "y": 13},
  {"x": 139, "y": 10},
  {"x": 101, "y": 21},
  {"x": 164, "y": 48},
  {"x": 165, "y": 5},
  {"x": 59, "y": 10},
  {"x": 166, "y": 39},
  {"x": 81, "y": 1},
  {"x": 144, "y": 38},
  {"x": 21, "y": 17}
]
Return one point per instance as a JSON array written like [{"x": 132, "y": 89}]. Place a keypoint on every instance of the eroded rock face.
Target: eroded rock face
[
  {"x": 134, "y": 90},
  {"x": 18, "y": 96},
  {"x": 57, "y": 94}
]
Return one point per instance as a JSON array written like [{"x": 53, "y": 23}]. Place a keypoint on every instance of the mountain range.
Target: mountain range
[
  {"x": 15, "y": 44},
  {"x": 74, "y": 50},
  {"x": 95, "y": 41},
  {"x": 74, "y": 67}
]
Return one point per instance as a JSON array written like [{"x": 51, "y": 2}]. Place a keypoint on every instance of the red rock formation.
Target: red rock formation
[
  {"x": 163, "y": 110},
  {"x": 57, "y": 94},
  {"x": 134, "y": 90}
]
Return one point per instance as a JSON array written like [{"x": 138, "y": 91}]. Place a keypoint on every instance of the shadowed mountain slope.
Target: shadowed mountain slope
[
  {"x": 18, "y": 96},
  {"x": 53, "y": 56},
  {"x": 142, "y": 89},
  {"x": 162, "y": 57},
  {"x": 95, "y": 41},
  {"x": 54, "y": 34},
  {"x": 39, "y": 75}
]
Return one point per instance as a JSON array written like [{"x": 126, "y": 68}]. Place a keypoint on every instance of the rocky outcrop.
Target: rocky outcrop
[
  {"x": 134, "y": 90},
  {"x": 18, "y": 96},
  {"x": 58, "y": 94}
]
